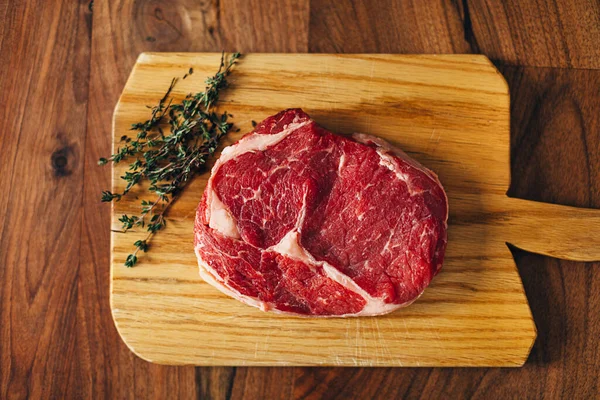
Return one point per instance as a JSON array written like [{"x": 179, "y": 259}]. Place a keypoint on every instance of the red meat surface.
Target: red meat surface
[{"x": 296, "y": 219}]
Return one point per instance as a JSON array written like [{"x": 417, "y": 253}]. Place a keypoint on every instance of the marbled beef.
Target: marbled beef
[{"x": 296, "y": 219}]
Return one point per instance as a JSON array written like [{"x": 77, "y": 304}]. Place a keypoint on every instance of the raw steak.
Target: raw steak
[{"x": 296, "y": 219}]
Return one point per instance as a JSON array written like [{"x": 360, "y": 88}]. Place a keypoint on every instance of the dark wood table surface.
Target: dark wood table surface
[{"x": 63, "y": 65}]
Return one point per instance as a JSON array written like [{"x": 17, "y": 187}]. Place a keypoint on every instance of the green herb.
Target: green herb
[
  {"x": 190, "y": 71},
  {"x": 168, "y": 160},
  {"x": 131, "y": 260}
]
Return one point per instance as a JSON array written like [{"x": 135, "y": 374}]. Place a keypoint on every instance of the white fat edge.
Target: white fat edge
[
  {"x": 341, "y": 164},
  {"x": 224, "y": 222},
  {"x": 221, "y": 219},
  {"x": 256, "y": 142},
  {"x": 383, "y": 150},
  {"x": 210, "y": 276},
  {"x": 373, "y": 306},
  {"x": 302, "y": 214},
  {"x": 289, "y": 246},
  {"x": 384, "y": 147}
]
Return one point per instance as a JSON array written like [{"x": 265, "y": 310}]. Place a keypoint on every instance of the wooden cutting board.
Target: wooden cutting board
[{"x": 451, "y": 113}]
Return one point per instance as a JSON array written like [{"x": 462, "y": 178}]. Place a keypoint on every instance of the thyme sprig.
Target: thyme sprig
[{"x": 168, "y": 160}]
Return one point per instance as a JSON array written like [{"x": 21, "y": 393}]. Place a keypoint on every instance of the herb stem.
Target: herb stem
[{"x": 170, "y": 160}]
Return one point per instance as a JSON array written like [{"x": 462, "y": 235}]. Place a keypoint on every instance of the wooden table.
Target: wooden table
[{"x": 64, "y": 64}]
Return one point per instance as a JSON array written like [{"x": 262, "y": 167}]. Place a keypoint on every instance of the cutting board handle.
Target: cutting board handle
[{"x": 564, "y": 232}]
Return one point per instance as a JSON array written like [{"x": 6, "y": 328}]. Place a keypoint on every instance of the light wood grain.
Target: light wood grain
[
  {"x": 555, "y": 158},
  {"x": 449, "y": 112}
]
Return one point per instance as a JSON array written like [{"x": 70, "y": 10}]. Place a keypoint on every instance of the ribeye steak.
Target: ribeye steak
[{"x": 296, "y": 219}]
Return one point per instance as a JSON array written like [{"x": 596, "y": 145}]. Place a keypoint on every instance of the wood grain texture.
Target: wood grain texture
[
  {"x": 215, "y": 382},
  {"x": 562, "y": 295},
  {"x": 111, "y": 370},
  {"x": 117, "y": 372},
  {"x": 264, "y": 383},
  {"x": 537, "y": 32},
  {"x": 136, "y": 27},
  {"x": 450, "y": 112},
  {"x": 188, "y": 25},
  {"x": 531, "y": 32},
  {"x": 43, "y": 115},
  {"x": 264, "y": 26},
  {"x": 387, "y": 26},
  {"x": 123, "y": 29},
  {"x": 553, "y": 106}
]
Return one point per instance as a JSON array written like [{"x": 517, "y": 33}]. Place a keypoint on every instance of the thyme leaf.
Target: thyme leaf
[{"x": 169, "y": 159}]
